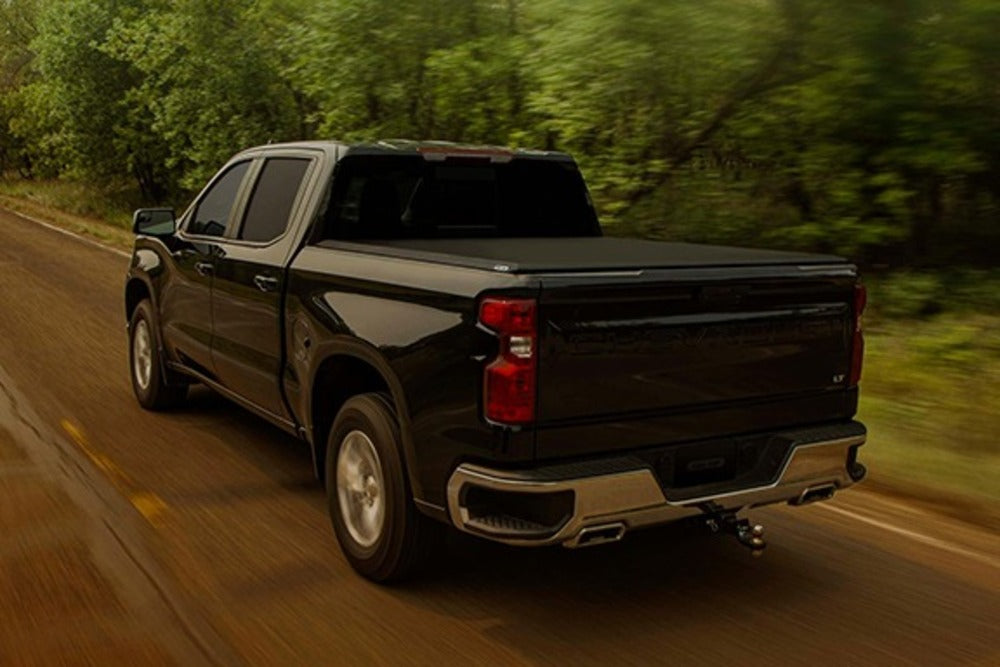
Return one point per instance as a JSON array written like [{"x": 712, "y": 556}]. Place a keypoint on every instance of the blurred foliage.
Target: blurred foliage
[
  {"x": 931, "y": 380},
  {"x": 864, "y": 127},
  {"x": 928, "y": 396}
]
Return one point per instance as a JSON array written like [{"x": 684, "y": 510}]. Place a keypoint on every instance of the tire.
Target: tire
[
  {"x": 382, "y": 534},
  {"x": 145, "y": 365}
]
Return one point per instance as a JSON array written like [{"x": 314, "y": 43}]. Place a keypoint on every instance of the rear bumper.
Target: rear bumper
[{"x": 597, "y": 501}]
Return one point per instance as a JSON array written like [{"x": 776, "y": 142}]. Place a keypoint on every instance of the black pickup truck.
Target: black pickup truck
[{"x": 449, "y": 331}]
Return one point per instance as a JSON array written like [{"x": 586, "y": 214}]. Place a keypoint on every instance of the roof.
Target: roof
[
  {"x": 449, "y": 148},
  {"x": 425, "y": 148}
]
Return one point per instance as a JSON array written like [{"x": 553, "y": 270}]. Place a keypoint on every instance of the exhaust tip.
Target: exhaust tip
[
  {"x": 815, "y": 494},
  {"x": 594, "y": 535}
]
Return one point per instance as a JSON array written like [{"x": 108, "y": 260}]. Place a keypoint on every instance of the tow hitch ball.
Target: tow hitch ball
[{"x": 750, "y": 536}]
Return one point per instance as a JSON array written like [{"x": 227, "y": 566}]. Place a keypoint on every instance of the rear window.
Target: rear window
[{"x": 408, "y": 197}]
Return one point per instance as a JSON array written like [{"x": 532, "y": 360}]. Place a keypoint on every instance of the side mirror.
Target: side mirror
[{"x": 154, "y": 221}]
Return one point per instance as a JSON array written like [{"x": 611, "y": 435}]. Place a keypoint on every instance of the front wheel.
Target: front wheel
[
  {"x": 148, "y": 383},
  {"x": 382, "y": 534}
]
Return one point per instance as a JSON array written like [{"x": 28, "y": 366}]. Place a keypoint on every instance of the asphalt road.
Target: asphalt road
[{"x": 202, "y": 537}]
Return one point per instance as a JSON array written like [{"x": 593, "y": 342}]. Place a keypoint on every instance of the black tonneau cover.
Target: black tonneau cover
[{"x": 577, "y": 254}]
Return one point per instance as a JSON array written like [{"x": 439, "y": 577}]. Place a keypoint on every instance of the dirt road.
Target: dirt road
[{"x": 201, "y": 537}]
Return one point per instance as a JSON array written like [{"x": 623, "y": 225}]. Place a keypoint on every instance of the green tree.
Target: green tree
[
  {"x": 637, "y": 88},
  {"x": 874, "y": 153},
  {"x": 406, "y": 68},
  {"x": 17, "y": 30},
  {"x": 79, "y": 113},
  {"x": 210, "y": 80}
]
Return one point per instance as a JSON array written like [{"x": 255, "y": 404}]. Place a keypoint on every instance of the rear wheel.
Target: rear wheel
[
  {"x": 148, "y": 383},
  {"x": 382, "y": 534}
]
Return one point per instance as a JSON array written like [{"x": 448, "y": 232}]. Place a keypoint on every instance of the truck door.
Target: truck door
[
  {"x": 247, "y": 293},
  {"x": 185, "y": 303}
]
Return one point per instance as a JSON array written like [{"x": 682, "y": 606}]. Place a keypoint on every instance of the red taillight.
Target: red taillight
[
  {"x": 858, "y": 344},
  {"x": 509, "y": 380}
]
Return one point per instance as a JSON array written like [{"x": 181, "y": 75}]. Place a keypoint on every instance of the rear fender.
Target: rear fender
[{"x": 367, "y": 353}]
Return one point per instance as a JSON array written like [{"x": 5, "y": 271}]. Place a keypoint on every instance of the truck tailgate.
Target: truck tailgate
[{"x": 658, "y": 343}]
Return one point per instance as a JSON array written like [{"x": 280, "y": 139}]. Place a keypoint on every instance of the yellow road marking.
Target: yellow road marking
[
  {"x": 98, "y": 459},
  {"x": 147, "y": 503},
  {"x": 73, "y": 432}
]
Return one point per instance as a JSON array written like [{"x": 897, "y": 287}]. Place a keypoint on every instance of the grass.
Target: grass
[
  {"x": 930, "y": 398},
  {"x": 104, "y": 215},
  {"x": 930, "y": 394}
]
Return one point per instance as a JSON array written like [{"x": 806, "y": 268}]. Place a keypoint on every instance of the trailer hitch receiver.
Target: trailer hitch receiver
[{"x": 747, "y": 534}]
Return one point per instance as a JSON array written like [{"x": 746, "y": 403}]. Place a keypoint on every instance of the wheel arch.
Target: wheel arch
[
  {"x": 136, "y": 289},
  {"x": 347, "y": 369}
]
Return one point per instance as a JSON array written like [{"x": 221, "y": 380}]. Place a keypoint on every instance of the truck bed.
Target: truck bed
[
  {"x": 541, "y": 255},
  {"x": 644, "y": 344}
]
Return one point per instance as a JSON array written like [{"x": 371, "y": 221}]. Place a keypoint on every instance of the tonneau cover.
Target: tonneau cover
[{"x": 577, "y": 254}]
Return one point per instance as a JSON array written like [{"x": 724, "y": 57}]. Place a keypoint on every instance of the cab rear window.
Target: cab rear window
[{"x": 408, "y": 197}]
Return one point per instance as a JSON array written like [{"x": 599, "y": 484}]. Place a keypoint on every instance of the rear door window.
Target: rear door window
[{"x": 272, "y": 199}]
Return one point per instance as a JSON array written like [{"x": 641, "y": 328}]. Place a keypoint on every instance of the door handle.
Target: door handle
[
  {"x": 265, "y": 283},
  {"x": 204, "y": 269}
]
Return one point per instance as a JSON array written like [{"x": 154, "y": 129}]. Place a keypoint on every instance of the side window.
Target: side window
[
  {"x": 271, "y": 202},
  {"x": 214, "y": 208}
]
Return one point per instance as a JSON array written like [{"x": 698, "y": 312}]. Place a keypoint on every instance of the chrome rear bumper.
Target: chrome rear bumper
[{"x": 614, "y": 495}]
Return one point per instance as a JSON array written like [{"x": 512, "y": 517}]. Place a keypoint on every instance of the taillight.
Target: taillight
[
  {"x": 509, "y": 380},
  {"x": 858, "y": 344}
]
